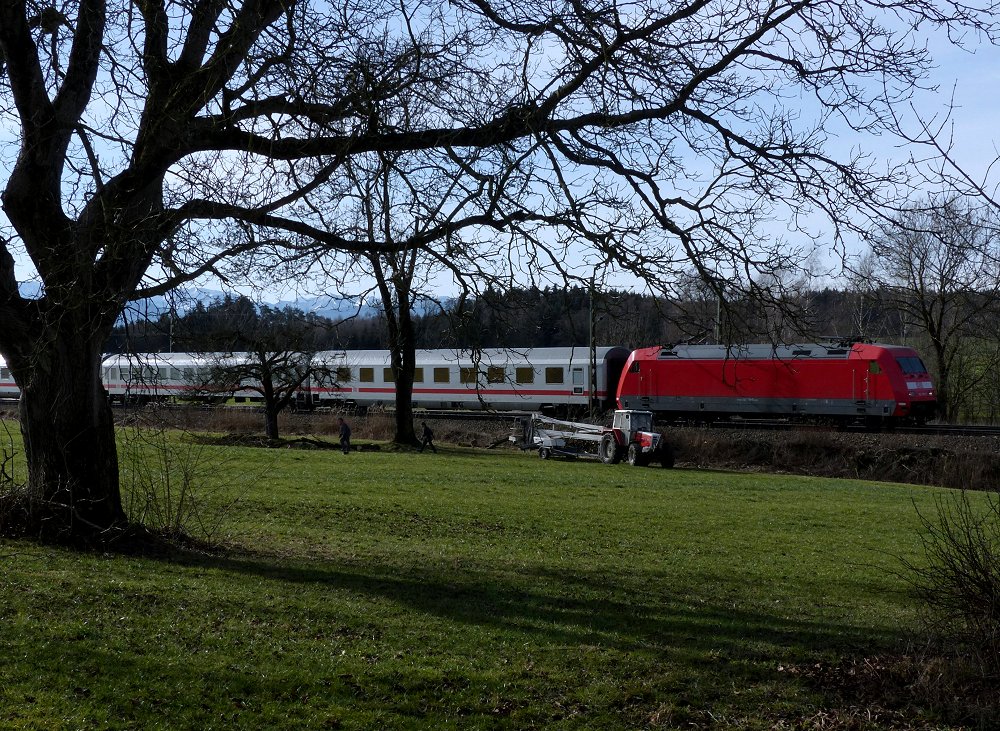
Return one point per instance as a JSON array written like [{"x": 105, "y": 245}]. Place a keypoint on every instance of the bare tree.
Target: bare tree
[
  {"x": 938, "y": 267},
  {"x": 277, "y": 376},
  {"x": 156, "y": 139},
  {"x": 267, "y": 351},
  {"x": 422, "y": 218}
]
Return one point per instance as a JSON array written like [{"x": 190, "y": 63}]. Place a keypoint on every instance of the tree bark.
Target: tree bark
[
  {"x": 402, "y": 346},
  {"x": 69, "y": 441},
  {"x": 270, "y": 421}
]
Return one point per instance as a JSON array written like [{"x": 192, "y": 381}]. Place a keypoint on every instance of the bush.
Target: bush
[
  {"x": 959, "y": 584},
  {"x": 166, "y": 483}
]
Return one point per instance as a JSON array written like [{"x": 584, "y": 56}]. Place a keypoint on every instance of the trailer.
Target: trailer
[{"x": 631, "y": 437}]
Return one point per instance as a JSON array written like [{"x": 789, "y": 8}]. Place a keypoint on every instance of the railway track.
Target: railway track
[
  {"x": 952, "y": 430},
  {"x": 741, "y": 424}
]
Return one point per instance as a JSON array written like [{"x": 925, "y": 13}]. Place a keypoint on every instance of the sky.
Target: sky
[{"x": 972, "y": 78}]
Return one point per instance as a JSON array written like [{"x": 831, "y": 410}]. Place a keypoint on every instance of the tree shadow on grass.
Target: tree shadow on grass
[
  {"x": 641, "y": 646},
  {"x": 572, "y": 607}
]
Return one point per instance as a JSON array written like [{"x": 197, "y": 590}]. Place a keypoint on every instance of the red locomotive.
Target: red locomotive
[{"x": 844, "y": 382}]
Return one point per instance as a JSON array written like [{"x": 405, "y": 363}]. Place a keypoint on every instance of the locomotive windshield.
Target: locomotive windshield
[{"x": 911, "y": 364}]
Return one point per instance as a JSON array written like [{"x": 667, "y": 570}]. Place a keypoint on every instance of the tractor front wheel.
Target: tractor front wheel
[{"x": 635, "y": 456}]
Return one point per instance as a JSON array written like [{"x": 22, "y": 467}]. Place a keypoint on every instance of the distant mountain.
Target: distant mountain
[
  {"x": 334, "y": 308},
  {"x": 182, "y": 300}
]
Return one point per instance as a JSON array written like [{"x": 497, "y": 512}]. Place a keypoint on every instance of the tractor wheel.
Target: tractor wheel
[
  {"x": 634, "y": 455},
  {"x": 666, "y": 457},
  {"x": 608, "y": 450}
]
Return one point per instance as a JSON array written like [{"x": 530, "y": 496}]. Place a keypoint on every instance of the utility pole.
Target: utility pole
[{"x": 592, "y": 389}]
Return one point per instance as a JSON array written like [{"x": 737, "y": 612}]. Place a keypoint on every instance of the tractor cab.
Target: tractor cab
[{"x": 629, "y": 422}]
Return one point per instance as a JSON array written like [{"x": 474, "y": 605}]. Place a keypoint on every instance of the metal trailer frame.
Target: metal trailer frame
[{"x": 553, "y": 437}]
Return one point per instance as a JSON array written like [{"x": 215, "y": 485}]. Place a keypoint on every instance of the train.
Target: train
[
  {"x": 852, "y": 381},
  {"x": 555, "y": 380},
  {"x": 845, "y": 382}
]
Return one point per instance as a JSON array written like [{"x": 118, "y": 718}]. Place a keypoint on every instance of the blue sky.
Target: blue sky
[{"x": 972, "y": 77}]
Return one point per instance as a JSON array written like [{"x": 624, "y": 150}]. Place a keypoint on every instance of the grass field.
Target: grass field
[{"x": 469, "y": 590}]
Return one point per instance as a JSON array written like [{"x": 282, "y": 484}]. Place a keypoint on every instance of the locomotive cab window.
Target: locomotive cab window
[
  {"x": 911, "y": 364},
  {"x": 524, "y": 375},
  {"x": 554, "y": 375}
]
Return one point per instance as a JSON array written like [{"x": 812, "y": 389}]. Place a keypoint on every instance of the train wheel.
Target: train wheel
[{"x": 608, "y": 450}]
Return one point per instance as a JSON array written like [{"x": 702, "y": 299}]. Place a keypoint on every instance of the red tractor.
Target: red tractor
[{"x": 632, "y": 437}]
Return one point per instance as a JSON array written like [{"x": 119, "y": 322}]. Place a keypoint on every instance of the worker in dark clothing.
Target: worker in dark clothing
[
  {"x": 427, "y": 438},
  {"x": 345, "y": 435}
]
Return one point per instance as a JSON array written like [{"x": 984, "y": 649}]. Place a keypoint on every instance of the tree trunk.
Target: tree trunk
[
  {"x": 405, "y": 433},
  {"x": 69, "y": 441},
  {"x": 271, "y": 421},
  {"x": 402, "y": 345}
]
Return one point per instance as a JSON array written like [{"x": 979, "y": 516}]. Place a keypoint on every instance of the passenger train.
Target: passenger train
[
  {"x": 844, "y": 382},
  {"x": 537, "y": 379}
]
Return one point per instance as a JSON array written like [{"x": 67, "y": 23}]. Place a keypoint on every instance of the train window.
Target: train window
[
  {"x": 524, "y": 374},
  {"x": 418, "y": 375},
  {"x": 5, "y": 373},
  {"x": 554, "y": 375},
  {"x": 801, "y": 352},
  {"x": 387, "y": 376},
  {"x": 366, "y": 375},
  {"x": 468, "y": 375},
  {"x": 442, "y": 375},
  {"x": 343, "y": 374},
  {"x": 634, "y": 368},
  {"x": 911, "y": 364},
  {"x": 495, "y": 374}
]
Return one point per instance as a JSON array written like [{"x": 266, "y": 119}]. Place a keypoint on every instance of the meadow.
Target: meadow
[{"x": 470, "y": 589}]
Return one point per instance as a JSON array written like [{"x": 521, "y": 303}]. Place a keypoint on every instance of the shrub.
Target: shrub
[
  {"x": 959, "y": 584},
  {"x": 171, "y": 486}
]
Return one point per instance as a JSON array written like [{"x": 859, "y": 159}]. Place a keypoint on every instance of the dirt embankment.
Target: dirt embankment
[{"x": 948, "y": 461}]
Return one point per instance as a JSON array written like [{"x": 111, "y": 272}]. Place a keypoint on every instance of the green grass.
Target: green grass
[{"x": 466, "y": 590}]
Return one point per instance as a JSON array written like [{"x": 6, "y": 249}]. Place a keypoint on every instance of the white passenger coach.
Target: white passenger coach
[{"x": 536, "y": 379}]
